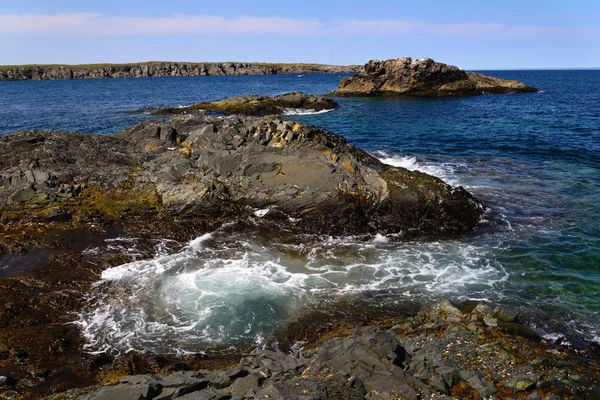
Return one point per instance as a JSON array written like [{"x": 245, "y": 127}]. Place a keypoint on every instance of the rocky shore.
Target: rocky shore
[
  {"x": 61, "y": 193},
  {"x": 139, "y": 70},
  {"x": 64, "y": 193},
  {"x": 479, "y": 352},
  {"x": 425, "y": 77},
  {"x": 231, "y": 167},
  {"x": 257, "y": 105}
]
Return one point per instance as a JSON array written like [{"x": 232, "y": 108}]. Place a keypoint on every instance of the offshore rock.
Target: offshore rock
[
  {"x": 231, "y": 167},
  {"x": 148, "y": 69},
  {"x": 424, "y": 77},
  {"x": 257, "y": 105}
]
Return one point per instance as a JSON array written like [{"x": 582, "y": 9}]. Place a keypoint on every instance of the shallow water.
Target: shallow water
[{"x": 533, "y": 159}]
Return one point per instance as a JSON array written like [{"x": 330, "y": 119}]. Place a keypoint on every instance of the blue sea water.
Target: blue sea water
[{"x": 533, "y": 159}]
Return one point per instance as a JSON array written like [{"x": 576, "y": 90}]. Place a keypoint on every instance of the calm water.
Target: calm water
[{"x": 534, "y": 159}]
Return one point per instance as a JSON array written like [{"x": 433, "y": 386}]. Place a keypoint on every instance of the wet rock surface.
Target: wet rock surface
[
  {"x": 424, "y": 77},
  {"x": 432, "y": 355},
  {"x": 138, "y": 70},
  {"x": 258, "y": 105},
  {"x": 62, "y": 194},
  {"x": 194, "y": 166}
]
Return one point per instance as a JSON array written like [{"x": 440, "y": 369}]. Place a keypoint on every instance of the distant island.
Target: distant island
[{"x": 162, "y": 68}]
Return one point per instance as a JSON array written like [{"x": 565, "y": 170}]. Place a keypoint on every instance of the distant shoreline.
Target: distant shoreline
[{"x": 160, "y": 69}]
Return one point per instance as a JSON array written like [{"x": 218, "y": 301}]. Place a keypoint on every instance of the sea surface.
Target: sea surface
[{"x": 533, "y": 159}]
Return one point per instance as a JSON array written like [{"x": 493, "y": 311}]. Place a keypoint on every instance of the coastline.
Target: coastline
[
  {"x": 162, "y": 69},
  {"x": 48, "y": 275}
]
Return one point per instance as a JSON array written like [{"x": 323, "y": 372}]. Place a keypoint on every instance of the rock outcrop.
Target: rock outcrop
[
  {"x": 138, "y": 70},
  {"x": 441, "y": 353},
  {"x": 258, "y": 105},
  {"x": 425, "y": 77},
  {"x": 194, "y": 165}
]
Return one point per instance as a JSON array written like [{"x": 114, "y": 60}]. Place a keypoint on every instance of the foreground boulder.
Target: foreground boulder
[
  {"x": 235, "y": 167},
  {"x": 257, "y": 105},
  {"x": 425, "y": 77}
]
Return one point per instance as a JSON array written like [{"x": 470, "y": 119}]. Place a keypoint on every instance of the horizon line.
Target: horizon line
[{"x": 100, "y": 64}]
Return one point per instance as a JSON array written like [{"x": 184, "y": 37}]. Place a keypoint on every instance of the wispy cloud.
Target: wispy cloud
[
  {"x": 202, "y": 25},
  {"x": 90, "y": 24}
]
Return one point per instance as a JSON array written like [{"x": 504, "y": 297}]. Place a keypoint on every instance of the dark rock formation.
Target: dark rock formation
[
  {"x": 194, "y": 165},
  {"x": 441, "y": 353},
  {"x": 257, "y": 105},
  {"x": 425, "y": 77},
  {"x": 137, "y": 70}
]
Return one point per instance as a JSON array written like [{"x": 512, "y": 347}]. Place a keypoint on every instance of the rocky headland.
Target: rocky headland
[
  {"x": 425, "y": 77},
  {"x": 257, "y": 105},
  {"x": 148, "y": 69},
  {"x": 197, "y": 165}
]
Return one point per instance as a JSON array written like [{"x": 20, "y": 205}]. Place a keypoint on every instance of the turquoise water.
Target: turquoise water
[{"x": 533, "y": 159}]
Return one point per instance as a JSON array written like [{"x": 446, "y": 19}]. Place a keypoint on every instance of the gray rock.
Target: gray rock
[
  {"x": 200, "y": 132},
  {"x": 485, "y": 388},
  {"x": 241, "y": 387},
  {"x": 231, "y": 165},
  {"x": 41, "y": 176},
  {"x": 125, "y": 392}
]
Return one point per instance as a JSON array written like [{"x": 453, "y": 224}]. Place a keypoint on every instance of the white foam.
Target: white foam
[
  {"x": 300, "y": 111},
  {"x": 229, "y": 287},
  {"x": 261, "y": 213},
  {"x": 444, "y": 171},
  {"x": 379, "y": 238}
]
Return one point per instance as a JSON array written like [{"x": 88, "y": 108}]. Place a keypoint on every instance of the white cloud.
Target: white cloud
[{"x": 215, "y": 26}]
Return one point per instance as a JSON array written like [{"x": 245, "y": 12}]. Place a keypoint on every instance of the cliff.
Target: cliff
[{"x": 138, "y": 70}]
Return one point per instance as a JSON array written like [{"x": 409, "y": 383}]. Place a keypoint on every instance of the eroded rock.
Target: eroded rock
[
  {"x": 196, "y": 165},
  {"x": 424, "y": 77}
]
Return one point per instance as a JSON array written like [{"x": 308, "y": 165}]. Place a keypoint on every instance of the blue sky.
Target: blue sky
[{"x": 471, "y": 34}]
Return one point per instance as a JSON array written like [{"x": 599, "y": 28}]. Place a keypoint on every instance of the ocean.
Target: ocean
[{"x": 533, "y": 159}]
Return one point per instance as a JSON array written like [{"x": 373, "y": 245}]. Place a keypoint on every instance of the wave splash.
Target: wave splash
[
  {"x": 301, "y": 111},
  {"x": 227, "y": 288},
  {"x": 444, "y": 171}
]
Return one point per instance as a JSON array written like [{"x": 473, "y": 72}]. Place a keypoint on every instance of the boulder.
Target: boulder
[{"x": 424, "y": 77}]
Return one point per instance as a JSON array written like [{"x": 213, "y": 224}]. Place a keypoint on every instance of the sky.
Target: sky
[{"x": 473, "y": 34}]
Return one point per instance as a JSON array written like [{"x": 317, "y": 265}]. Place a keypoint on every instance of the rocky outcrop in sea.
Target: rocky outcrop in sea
[
  {"x": 138, "y": 70},
  {"x": 194, "y": 166},
  {"x": 424, "y": 77},
  {"x": 258, "y": 105}
]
